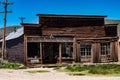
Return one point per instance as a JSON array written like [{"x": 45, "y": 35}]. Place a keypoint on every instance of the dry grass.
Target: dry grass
[{"x": 37, "y": 71}]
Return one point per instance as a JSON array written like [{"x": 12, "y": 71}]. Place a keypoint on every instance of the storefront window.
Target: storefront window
[
  {"x": 67, "y": 50},
  {"x": 33, "y": 50}
]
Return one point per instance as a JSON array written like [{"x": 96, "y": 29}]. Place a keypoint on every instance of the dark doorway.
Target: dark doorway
[
  {"x": 33, "y": 50},
  {"x": 50, "y": 52}
]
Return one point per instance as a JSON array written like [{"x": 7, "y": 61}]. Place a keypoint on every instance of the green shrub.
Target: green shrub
[
  {"x": 11, "y": 65},
  {"x": 102, "y": 69},
  {"x": 105, "y": 69},
  {"x": 73, "y": 69}
]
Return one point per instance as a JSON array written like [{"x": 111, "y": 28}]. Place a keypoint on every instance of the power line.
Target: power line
[{"x": 5, "y": 3}]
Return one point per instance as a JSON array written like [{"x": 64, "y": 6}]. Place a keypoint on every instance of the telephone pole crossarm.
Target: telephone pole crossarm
[{"x": 22, "y": 19}]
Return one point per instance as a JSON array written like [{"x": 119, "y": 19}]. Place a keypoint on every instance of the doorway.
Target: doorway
[{"x": 50, "y": 52}]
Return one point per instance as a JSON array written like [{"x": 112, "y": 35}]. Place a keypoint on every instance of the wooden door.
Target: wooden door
[{"x": 50, "y": 52}]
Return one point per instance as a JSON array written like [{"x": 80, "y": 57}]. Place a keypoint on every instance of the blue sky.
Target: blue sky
[{"x": 29, "y": 9}]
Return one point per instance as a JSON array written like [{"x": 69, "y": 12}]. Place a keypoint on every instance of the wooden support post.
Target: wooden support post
[
  {"x": 99, "y": 52},
  {"x": 41, "y": 57},
  {"x": 116, "y": 51},
  {"x": 51, "y": 53},
  {"x": 60, "y": 53},
  {"x": 78, "y": 53},
  {"x": 93, "y": 52},
  {"x": 112, "y": 50},
  {"x": 74, "y": 49},
  {"x": 25, "y": 50}
]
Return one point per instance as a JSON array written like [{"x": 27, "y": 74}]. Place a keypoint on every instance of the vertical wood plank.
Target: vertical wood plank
[
  {"x": 99, "y": 52},
  {"x": 112, "y": 50},
  {"x": 60, "y": 53},
  {"x": 41, "y": 56},
  {"x": 51, "y": 53},
  {"x": 116, "y": 51},
  {"x": 74, "y": 49},
  {"x": 25, "y": 50},
  {"x": 93, "y": 52},
  {"x": 96, "y": 52},
  {"x": 78, "y": 53}
]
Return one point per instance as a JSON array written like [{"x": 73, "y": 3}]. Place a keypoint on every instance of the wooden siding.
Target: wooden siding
[
  {"x": 70, "y": 21},
  {"x": 81, "y": 32},
  {"x": 15, "y": 50}
]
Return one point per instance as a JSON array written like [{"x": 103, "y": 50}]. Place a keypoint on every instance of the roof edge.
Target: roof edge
[
  {"x": 76, "y": 16},
  {"x": 30, "y": 24}
]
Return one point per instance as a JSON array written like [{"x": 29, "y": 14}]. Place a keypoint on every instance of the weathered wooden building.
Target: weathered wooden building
[
  {"x": 14, "y": 45},
  {"x": 114, "y": 24},
  {"x": 69, "y": 38}
]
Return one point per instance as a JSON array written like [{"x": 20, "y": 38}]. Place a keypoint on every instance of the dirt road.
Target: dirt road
[{"x": 7, "y": 74}]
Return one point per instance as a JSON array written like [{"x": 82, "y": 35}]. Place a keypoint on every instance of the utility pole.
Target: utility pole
[
  {"x": 22, "y": 19},
  {"x": 5, "y": 3}
]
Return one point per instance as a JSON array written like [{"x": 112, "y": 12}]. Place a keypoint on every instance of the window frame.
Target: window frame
[{"x": 105, "y": 48}]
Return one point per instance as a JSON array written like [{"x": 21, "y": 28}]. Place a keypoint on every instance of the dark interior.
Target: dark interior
[
  {"x": 33, "y": 50},
  {"x": 50, "y": 52}
]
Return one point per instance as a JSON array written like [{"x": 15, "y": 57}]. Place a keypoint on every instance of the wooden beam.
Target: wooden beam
[
  {"x": 51, "y": 53},
  {"x": 25, "y": 49},
  {"x": 60, "y": 53},
  {"x": 116, "y": 51},
  {"x": 78, "y": 53},
  {"x": 41, "y": 56},
  {"x": 112, "y": 50},
  {"x": 93, "y": 52},
  {"x": 74, "y": 49},
  {"x": 100, "y": 38}
]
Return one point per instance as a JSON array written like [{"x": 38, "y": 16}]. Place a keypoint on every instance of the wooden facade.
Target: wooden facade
[{"x": 69, "y": 38}]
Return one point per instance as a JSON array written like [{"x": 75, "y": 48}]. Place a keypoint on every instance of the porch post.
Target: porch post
[
  {"x": 74, "y": 49},
  {"x": 60, "y": 53},
  {"x": 25, "y": 50},
  {"x": 41, "y": 53}
]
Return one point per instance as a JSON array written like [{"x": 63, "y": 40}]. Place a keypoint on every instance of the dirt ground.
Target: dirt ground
[{"x": 8, "y": 74}]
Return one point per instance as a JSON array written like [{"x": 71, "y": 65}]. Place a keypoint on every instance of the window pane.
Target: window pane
[
  {"x": 67, "y": 50},
  {"x": 85, "y": 50},
  {"x": 105, "y": 48}
]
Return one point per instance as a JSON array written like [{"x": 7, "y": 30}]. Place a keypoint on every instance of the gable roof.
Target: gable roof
[{"x": 15, "y": 34}]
